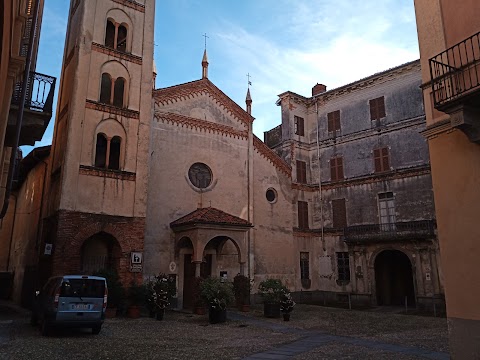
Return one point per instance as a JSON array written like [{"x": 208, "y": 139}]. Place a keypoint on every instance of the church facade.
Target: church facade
[{"x": 336, "y": 202}]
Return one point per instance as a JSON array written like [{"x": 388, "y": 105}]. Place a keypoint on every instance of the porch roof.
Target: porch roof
[{"x": 209, "y": 216}]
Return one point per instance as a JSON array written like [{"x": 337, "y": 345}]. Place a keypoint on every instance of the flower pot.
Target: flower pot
[
  {"x": 110, "y": 312},
  {"x": 271, "y": 310},
  {"x": 286, "y": 316},
  {"x": 160, "y": 314},
  {"x": 133, "y": 312},
  {"x": 199, "y": 310},
  {"x": 216, "y": 316},
  {"x": 245, "y": 308}
]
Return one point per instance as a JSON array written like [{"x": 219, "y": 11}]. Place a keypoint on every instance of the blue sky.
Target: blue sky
[{"x": 283, "y": 44}]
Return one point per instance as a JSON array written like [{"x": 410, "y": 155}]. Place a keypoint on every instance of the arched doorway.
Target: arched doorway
[
  {"x": 394, "y": 278},
  {"x": 100, "y": 251}
]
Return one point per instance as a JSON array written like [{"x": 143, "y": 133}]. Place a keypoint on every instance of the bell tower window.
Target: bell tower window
[
  {"x": 118, "y": 92},
  {"x": 114, "y": 156},
  {"x": 101, "y": 151},
  {"x": 106, "y": 89},
  {"x": 115, "y": 97},
  {"x": 107, "y": 152},
  {"x": 116, "y": 36},
  {"x": 110, "y": 35}
]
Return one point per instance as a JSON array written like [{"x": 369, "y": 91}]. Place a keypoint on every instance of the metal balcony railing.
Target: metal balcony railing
[
  {"x": 40, "y": 91},
  {"x": 455, "y": 72},
  {"x": 412, "y": 230},
  {"x": 273, "y": 137}
]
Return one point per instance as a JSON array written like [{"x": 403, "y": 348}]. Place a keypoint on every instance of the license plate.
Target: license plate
[{"x": 81, "y": 307}]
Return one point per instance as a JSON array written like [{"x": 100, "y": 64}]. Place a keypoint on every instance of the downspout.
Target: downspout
[
  {"x": 11, "y": 233},
  {"x": 21, "y": 106},
  {"x": 40, "y": 223},
  {"x": 320, "y": 178}
]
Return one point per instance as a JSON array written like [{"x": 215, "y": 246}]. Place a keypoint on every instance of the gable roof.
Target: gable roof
[
  {"x": 209, "y": 216},
  {"x": 203, "y": 86},
  {"x": 271, "y": 156}
]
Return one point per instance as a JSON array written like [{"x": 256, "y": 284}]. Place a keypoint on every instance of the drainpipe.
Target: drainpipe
[
  {"x": 40, "y": 223},
  {"x": 21, "y": 106},
  {"x": 320, "y": 177}
]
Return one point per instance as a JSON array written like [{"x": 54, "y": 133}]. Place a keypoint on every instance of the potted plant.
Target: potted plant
[
  {"x": 136, "y": 297},
  {"x": 286, "y": 305},
  {"x": 198, "y": 303},
  {"x": 116, "y": 291},
  {"x": 271, "y": 291},
  {"x": 218, "y": 295},
  {"x": 160, "y": 291},
  {"x": 242, "y": 287}
]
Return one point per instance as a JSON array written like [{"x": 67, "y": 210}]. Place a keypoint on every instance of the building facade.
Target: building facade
[
  {"x": 368, "y": 227},
  {"x": 449, "y": 41}
]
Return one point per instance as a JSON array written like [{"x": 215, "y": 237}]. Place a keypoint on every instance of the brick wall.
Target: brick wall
[{"x": 73, "y": 228}]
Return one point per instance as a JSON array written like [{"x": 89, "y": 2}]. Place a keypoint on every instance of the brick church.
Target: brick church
[{"x": 337, "y": 200}]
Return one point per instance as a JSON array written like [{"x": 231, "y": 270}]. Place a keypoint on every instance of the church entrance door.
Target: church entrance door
[{"x": 189, "y": 277}]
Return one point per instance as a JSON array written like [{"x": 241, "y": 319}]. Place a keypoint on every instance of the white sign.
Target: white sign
[
  {"x": 48, "y": 249},
  {"x": 173, "y": 267},
  {"x": 136, "y": 260}
]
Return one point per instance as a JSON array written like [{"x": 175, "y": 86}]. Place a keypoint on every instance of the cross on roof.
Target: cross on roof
[
  {"x": 248, "y": 77},
  {"x": 205, "y": 36}
]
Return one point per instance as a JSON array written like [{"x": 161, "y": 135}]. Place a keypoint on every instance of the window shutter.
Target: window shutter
[
  {"x": 339, "y": 168},
  {"x": 339, "y": 213},
  {"x": 303, "y": 215},
  {"x": 381, "y": 107},
  {"x": 373, "y": 109},
  {"x": 385, "y": 159},
  {"x": 301, "y": 172},
  {"x": 301, "y": 127},
  {"x": 330, "y": 122},
  {"x": 377, "y": 160},
  {"x": 333, "y": 171},
  {"x": 337, "y": 119}
]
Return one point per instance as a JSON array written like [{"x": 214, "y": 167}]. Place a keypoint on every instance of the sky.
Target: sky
[{"x": 285, "y": 45}]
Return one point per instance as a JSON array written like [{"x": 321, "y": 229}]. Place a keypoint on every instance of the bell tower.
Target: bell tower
[{"x": 99, "y": 162}]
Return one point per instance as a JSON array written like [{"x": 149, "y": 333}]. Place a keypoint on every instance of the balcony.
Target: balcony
[
  {"x": 37, "y": 110},
  {"x": 273, "y": 137},
  {"x": 374, "y": 233},
  {"x": 455, "y": 75}
]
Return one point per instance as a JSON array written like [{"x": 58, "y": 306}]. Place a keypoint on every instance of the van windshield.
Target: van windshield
[{"x": 83, "y": 288}]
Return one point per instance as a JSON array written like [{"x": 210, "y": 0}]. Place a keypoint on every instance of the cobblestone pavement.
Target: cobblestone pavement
[{"x": 313, "y": 333}]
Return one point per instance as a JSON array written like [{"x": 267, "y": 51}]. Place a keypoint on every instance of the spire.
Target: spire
[
  {"x": 205, "y": 65},
  {"x": 154, "y": 73},
  {"x": 248, "y": 101}
]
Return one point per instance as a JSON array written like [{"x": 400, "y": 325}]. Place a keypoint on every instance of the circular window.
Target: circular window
[
  {"x": 200, "y": 175},
  {"x": 271, "y": 195}
]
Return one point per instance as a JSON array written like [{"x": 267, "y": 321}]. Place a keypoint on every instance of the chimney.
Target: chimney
[{"x": 318, "y": 89}]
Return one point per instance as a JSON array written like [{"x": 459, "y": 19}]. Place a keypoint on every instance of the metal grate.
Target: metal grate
[
  {"x": 40, "y": 91},
  {"x": 456, "y": 71},
  {"x": 390, "y": 231}
]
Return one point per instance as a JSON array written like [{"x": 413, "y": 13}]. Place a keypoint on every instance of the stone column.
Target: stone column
[{"x": 197, "y": 268}]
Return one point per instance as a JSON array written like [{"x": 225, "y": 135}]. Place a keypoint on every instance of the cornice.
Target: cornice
[
  {"x": 112, "y": 174},
  {"x": 266, "y": 152},
  {"x": 131, "y": 4},
  {"x": 369, "y": 179},
  {"x": 192, "y": 89},
  {"x": 196, "y": 124},
  {"x": 115, "y": 53},
  {"x": 436, "y": 129},
  {"x": 132, "y": 114}
]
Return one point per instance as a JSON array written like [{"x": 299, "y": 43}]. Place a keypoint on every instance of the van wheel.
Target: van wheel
[
  {"x": 96, "y": 329},
  {"x": 45, "y": 328}
]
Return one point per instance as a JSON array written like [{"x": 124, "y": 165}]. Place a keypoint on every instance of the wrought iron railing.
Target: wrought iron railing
[
  {"x": 455, "y": 72},
  {"x": 40, "y": 91},
  {"x": 273, "y": 137},
  {"x": 390, "y": 232}
]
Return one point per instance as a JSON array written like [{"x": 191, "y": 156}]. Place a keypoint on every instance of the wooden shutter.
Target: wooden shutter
[
  {"x": 339, "y": 168},
  {"x": 385, "y": 159},
  {"x": 373, "y": 109},
  {"x": 381, "y": 107},
  {"x": 336, "y": 118},
  {"x": 303, "y": 215},
  {"x": 301, "y": 172},
  {"x": 336, "y": 168},
  {"x": 331, "y": 125},
  {"x": 381, "y": 159},
  {"x": 339, "y": 213},
  {"x": 377, "y": 160},
  {"x": 301, "y": 129}
]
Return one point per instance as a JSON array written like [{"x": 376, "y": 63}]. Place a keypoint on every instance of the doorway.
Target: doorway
[
  {"x": 394, "y": 279},
  {"x": 189, "y": 277}
]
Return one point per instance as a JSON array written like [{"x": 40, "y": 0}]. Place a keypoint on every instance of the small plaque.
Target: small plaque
[{"x": 48, "y": 249}]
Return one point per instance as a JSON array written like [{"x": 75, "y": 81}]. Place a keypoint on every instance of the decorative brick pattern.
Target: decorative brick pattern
[
  {"x": 131, "y": 4},
  {"x": 90, "y": 104},
  {"x": 73, "y": 228},
  {"x": 195, "y": 88},
  {"x": 209, "y": 215},
  {"x": 115, "y": 53},
  {"x": 112, "y": 174},
  {"x": 268, "y": 153},
  {"x": 207, "y": 126}
]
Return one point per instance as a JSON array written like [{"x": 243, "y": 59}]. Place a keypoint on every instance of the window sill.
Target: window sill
[
  {"x": 107, "y": 173},
  {"x": 132, "y": 114},
  {"x": 117, "y": 53}
]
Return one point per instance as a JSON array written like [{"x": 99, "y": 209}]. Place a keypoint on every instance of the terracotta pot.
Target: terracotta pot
[
  {"x": 133, "y": 312},
  {"x": 110, "y": 313},
  {"x": 245, "y": 308}
]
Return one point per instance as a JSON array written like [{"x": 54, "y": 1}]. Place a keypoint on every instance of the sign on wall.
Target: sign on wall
[{"x": 136, "y": 261}]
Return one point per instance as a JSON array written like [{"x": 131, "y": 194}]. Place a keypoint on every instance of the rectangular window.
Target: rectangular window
[
  {"x": 336, "y": 168},
  {"x": 333, "y": 121},
  {"x": 304, "y": 266},
  {"x": 301, "y": 172},
  {"x": 377, "y": 108},
  {"x": 381, "y": 159},
  {"x": 299, "y": 125},
  {"x": 343, "y": 266},
  {"x": 339, "y": 213},
  {"x": 386, "y": 208},
  {"x": 303, "y": 215}
]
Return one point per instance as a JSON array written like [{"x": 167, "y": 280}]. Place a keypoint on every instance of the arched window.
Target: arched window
[
  {"x": 114, "y": 156},
  {"x": 116, "y": 36},
  {"x": 101, "y": 151},
  {"x": 122, "y": 38},
  {"x": 106, "y": 89},
  {"x": 110, "y": 35},
  {"x": 118, "y": 92}
]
